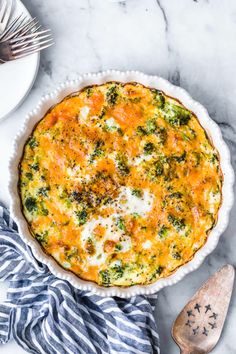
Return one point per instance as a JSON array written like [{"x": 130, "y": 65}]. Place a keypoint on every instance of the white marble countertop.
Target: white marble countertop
[{"x": 191, "y": 43}]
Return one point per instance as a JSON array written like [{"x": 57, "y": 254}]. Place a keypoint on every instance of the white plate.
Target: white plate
[
  {"x": 208, "y": 124},
  {"x": 17, "y": 77}
]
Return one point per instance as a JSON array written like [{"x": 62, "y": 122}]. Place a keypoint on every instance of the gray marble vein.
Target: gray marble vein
[
  {"x": 163, "y": 14},
  {"x": 166, "y": 22},
  {"x": 191, "y": 43}
]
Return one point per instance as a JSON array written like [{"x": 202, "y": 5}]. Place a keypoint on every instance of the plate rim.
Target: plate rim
[{"x": 208, "y": 124}]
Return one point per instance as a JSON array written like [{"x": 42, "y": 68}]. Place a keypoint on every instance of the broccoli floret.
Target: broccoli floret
[
  {"x": 31, "y": 204},
  {"x": 43, "y": 191},
  {"x": 97, "y": 150},
  {"x": 122, "y": 165},
  {"x": 90, "y": 248},
  {"x": 33, "y": 142},
  {"x": 163, "y": 232},
  {"x": 118, "y": 247},
  {"x": 82, "y": 216},
  {"x": 71, "y": 252},
  {"x": 120, "y": 131},
  {"x": 148, "y": 148},
  {"x": 117, "y": 271},
  {"x": 161, "y": 134},
  {"x": 112, "y": 95},
  {"x": 99, "y": 144},
  {"x": 123, "y": 168},
  {"x": 151, "y": 126},
  {"x": 159, "y": 169},
  {"x": 141, "y": 131},
  {"x": 103, "y": 113},
  {"x": 76, "y": 196},
  {"x": 137, "y": 192},
  {"x": 157, "y": 271},
  {"x": 155, "y": 170},
  {"x": 176, "y": 115},
  {"x": 177, "y": 195},
  {"x": 121, "y": 224},
  {"x": 107, "y": 199},
  {"x": 35, "y": 166},
  {"x": 170, "y": 170},
  {"x": 197, "y": 158},
  {"x": 176, "y": 255},
  {"x": 214, "y": 159},
  {"x": 89, "y": 91},
  {"x": 105, "y": 277},
  {"x": 180, "y": 158},
  {"x": 134, "y": 99},
  {"x": 42, "y": 238},
  {"x": 158, "y": 98},
  {"x": 29, "y": 176},
  {"x": 188, "y": 134},
  {"x": 179, "y": 224},
  {"x": 184, "y": 119},
  {"x": 44, "y": 211}
]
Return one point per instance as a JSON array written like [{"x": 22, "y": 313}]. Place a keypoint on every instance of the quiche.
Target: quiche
[{"x": 120, "y": 184}]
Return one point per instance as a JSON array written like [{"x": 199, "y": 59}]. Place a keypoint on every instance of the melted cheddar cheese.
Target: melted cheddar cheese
[{"x": 120, "y": 184}]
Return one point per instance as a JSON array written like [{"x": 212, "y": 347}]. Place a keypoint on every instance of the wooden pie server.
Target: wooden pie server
[{"x": 198, "y": 327}]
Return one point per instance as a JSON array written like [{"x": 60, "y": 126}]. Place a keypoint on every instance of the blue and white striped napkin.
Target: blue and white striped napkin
[{"x": 45, "y": 314}]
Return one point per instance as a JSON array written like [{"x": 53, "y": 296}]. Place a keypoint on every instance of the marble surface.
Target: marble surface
[{"x": 191, "y": 43}]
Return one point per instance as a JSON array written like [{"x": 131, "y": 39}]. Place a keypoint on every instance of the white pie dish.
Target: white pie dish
[{"x": 208, "y": 124}]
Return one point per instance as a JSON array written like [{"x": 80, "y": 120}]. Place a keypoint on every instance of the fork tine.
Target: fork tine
[
  {"x": 30, "y": 41},
  {"x": 7, "y": 14},
  {"x": 28, "y": 29},
  {"x": 31, "y": 47},
  {"x": 21, "y": 22},
  {"x": 36, "y": 28},
  {"x": 33, "y": 32},
  {"x": 33, "y": 51},
  {"x": 24, "y": 26},
  {"x": 11, "y": 33},
  {"x": 21, "y": 28},
  {"x": 31, "y": 27},
  {"x": 11, "y": 27},
  {"x": 2, "y": 11},
  {"x": 28, "y": 36}
]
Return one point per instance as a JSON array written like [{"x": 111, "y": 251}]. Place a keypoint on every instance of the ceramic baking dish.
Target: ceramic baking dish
[{"x": 151, "y": 81}]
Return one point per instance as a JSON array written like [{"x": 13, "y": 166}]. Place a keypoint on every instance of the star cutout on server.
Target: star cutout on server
[
  {"x": 205, "y": 331},
  {"x": 197, "y": 307},
  {"x": 190, "y": 313},
  {"x": 208, "y": 308},
  {"x": 214, "y": 316},
  {"x": 189, "y": 323},
  {"x": 213, "y": 325}
]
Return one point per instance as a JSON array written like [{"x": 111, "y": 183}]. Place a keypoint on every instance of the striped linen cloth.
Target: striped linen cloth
[{"x": 45, "y": 314}]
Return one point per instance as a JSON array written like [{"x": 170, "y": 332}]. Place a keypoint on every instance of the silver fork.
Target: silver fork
[
  {"x": 19, "y": 47},
  {"x": 19, "y": 27},
  {"x": 22, "y": 37},
  {"x": 5, "y": 13}
]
